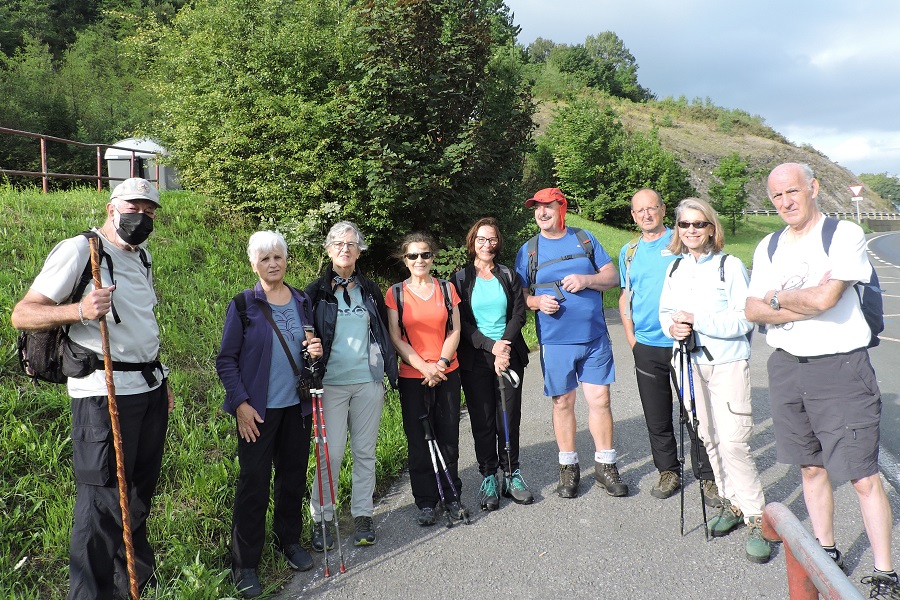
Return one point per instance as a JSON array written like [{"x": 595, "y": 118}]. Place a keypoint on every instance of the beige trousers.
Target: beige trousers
[{"x": 722, "y": 393}]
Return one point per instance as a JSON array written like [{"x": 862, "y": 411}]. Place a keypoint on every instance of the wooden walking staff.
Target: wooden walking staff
[{"x": 117, "y": 432}]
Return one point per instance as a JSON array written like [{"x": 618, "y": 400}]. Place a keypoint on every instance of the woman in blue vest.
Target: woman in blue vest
[
  {"x": 271, "y": 406},
  {"x": 492, "y": 311}
]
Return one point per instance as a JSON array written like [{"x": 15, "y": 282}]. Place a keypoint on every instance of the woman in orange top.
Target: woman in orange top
[{"x": 426, "y": 335}]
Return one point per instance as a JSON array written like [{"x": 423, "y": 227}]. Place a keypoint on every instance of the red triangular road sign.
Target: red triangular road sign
[{"x": 856, "y": 189}]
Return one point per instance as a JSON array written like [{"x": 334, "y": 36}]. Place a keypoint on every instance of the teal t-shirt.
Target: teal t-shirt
[
  {"x": 648, "y": 272},
  {"x": 349, "y": 359},
  {"x": 282, "y": 381},
  {"x": 489, "y": 307}
]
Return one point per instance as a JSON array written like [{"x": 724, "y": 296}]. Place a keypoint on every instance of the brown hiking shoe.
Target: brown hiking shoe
[
  {"x": 668, "y": 484},
  {"x": 607, "y": 475},
  {"x": 569, "y": 477},
  {"x": 711, "y": 493}
]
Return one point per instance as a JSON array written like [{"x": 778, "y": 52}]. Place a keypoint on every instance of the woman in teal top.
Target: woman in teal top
[{"x": 492, "y": 314}]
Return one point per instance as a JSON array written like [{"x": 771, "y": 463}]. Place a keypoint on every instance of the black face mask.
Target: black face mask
[{"x": 134, "y": 228}]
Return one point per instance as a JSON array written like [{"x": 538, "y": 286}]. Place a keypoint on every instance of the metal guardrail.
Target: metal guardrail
[
  {"x": 886, "y": 215},
  {"x": 810, "y": 571},
  {"x": 46, "y": 176}
]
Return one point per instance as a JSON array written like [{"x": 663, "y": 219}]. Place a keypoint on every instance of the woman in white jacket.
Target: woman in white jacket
[{"x": 702, "y": 309}]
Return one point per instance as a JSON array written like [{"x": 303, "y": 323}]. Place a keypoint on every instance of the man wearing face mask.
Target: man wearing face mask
[{"x": 144, "y": 398}]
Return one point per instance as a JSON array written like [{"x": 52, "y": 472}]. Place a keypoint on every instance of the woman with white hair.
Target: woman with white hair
[
  {"x": 262, "y": 364},
  {"x": 351, "y": 318}
]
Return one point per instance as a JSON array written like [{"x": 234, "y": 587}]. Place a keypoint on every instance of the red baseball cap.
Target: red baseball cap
[{"x": 548, "y": 195}]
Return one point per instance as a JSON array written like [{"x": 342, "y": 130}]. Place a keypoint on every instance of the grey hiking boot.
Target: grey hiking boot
[
  {"x": 426, "y": 516},
  {"x": 711, "y": 493},
  {"x": 882, "y": 585},
  {"x": 729, "y": 517},
  {"x": 364, "y": 534},
  {"x": 487, "y": 495},
  {"x": 607, "y": 475},
  {"x": 668, "y": 484},
  {"x": 514, "y": 487},
  {"x": 569, "y": 477},
  {"x": 759, "y": 550},
  {"x": 320, "y": 542}
]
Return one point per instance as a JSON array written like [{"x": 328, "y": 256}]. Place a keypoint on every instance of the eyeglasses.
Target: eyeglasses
[
  {"x": 481, "y": 241},
  {"x": 415, "y": 256},
  {"x": 650, "y": 210},
  {"x": 351, "y": 246},
  {"x": 694, "y": 224}
]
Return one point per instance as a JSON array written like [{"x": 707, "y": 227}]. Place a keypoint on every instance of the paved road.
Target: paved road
[{"x": 592, "y": 546}]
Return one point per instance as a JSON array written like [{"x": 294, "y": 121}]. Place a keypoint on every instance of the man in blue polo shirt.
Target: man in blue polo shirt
[
  {"x": 564, "y": 273},
  {"x": 642, "y": 267}
]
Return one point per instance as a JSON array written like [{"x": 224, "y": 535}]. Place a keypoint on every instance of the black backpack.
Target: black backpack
[
  {"x": 869, "y": 294},
  {"x": 49, "y": 355}
]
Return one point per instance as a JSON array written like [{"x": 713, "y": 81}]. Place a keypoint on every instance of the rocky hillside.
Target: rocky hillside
[{"x": 701, "y": 135}]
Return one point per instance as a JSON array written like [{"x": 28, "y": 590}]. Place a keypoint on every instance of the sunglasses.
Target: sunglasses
[
  {"x": 414, "y": 256},
  {"x": 694, "y": 224}
]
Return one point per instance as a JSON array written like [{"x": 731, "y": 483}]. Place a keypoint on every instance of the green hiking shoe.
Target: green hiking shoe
[
  {"x": 758, "y": 549},
  {"x": 729, "y": 517}
]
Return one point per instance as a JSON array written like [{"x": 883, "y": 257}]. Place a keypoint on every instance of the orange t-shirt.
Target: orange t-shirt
[{"x": 425, "y": 321}]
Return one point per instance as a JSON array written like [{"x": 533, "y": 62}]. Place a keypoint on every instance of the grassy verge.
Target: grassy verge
[{"x": 199, "y": 264}]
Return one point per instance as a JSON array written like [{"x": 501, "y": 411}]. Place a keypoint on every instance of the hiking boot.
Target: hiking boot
[
  {"x": 711, "y": 493},
  {"x": 668, "y": 484},
  {"x": 297, "y": 557},
  {"x": 835, "y": 555},
  {"x": 883, "y": 585},
  {"x": 514, "y": 487},
  {"x": 758, "y": 549},
  {"x": 426, "y": 516},
  {"x": 607, "y": 475},
  {"x": 246, "y": 582},
  {"x": 365, "y": 531},
  {"x": 569, "y": 476},
  {"x": 728, "y": 518},
  {"x": 317, "y": 544},
  {"x": 457, "y": 511},
  {"x": 487, "y": 495}
]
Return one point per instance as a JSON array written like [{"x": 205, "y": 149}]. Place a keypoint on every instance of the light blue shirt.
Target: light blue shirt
[
  {"x": 348, "y": 362},
  {"x": 489, "y": 307},
  {"x": 282, "y": 381},
  {"x": 647, "y": 273}
]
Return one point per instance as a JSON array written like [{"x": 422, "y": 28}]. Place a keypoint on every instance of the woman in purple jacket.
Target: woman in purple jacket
[{"x": 272, "y": 410}]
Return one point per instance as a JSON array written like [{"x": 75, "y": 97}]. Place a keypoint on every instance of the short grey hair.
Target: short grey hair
[
  {"x": 340, "y": 229},
  {"x": 263, "y": 242}
]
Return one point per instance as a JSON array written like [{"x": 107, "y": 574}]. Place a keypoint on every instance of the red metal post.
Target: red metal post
[
  {"x": 44, "y": 178},
  {"x": 800, "y": 585}
]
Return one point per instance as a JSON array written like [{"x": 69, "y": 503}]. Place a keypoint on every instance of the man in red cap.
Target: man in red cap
[{"x": 565, "y": 271}]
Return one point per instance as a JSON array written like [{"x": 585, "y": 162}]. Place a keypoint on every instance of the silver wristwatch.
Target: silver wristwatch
[{"x": 774, "y": 302}]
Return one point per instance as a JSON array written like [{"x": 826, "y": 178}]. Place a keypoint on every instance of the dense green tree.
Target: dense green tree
[
  {"x": 615, "y": 67},
  {"x": 539, "y": 50},
  {"x": 886, "y": 186},
  {"x": 729, "y": 194}
]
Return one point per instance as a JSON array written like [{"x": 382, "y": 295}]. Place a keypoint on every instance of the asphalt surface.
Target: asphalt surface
[{"x": 591, "y": 546}]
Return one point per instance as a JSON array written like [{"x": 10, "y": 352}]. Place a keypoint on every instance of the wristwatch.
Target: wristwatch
[
  {"x": 774, "y": 302},
  {"x": 446, "y": 361}
]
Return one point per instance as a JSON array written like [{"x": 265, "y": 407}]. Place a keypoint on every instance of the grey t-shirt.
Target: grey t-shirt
[{"x": 135, "y": 339}]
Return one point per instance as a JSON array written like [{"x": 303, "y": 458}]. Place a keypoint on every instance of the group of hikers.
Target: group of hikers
[{"x": 292, "y": 361}]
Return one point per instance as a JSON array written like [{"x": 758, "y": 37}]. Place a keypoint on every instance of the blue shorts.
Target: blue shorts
[{"x": 564, "y": 365}]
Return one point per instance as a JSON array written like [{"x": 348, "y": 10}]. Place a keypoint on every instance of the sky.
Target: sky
[{"x": 823, "y": 73}]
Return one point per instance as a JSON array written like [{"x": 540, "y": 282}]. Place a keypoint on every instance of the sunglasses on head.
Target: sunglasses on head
[
  {"x": 415, "y": 256},
  {"x": 694, "y": 224}
]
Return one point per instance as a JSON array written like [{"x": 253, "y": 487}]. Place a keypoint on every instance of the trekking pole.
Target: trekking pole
[
  {"x": 317, "y": 400},
  {"x": 696, "y": 422},
  {"x": 513, "y": 378},
  {"x": 430, "y": 441},
  {"x": 116, "y": 430},
  {"x": 682, "y": 419},
  {"x": 315, "y": 417}
]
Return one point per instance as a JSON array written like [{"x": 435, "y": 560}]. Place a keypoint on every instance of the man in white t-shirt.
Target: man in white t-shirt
[
  {"x": 826, "y": 405},
  {"x": 143, "y": 397}
]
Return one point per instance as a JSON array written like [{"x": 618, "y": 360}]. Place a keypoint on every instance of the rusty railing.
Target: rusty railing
[{"x": 47, "y": 176}]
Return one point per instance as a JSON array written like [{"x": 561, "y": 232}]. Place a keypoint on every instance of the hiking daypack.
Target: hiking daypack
[
  {"x": 869, "y": 294},
  {"x": 533, "y": 267},
  {"x": 50, "y": 355},
  {"x": 629, "y": 258},
  {"x": 397, "y": 290}
]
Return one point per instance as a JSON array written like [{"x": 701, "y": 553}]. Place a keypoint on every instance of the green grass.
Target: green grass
[{"x": 199, "y": 264}]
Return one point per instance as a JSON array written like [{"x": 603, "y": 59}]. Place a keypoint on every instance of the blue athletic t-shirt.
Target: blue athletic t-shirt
[
  {"x": 489, "y": 307},
  {"x": 282, "y": 381},
  {"x": 648, "y": 272},
  {"x": 580, "y": 317},
  {"x": 348, "y": 362}
]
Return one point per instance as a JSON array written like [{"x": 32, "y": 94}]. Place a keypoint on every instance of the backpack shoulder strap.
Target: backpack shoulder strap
[
  {"x": 240, "y": 302},
  {"x": 630, "y": 251},
  {"x": 828, "y": 229},
  {"x": 532, "y": 249},
  {"x": 773, "y": 243},
  {"x": 722, "y": 267},
  {"x": 397, "y": 291},
  {"x": 675, "y": 265},
  {"x": 586, "y": 244},
  {"x": 448, "y": 303},
  {"x": 506, "y": 272}
]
